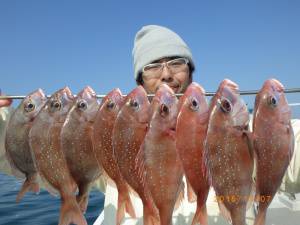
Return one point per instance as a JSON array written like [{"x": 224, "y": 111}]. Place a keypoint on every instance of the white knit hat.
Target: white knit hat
[{"x": 154, "y": 42}]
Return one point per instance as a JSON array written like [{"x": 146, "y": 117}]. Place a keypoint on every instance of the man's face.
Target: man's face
[{"x": 176, "y": 74}]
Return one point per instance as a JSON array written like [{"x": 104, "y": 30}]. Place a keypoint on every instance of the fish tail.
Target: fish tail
[
  {"x": 224, "y": 212},
  {"x": 30, "y": 184},
  {"x": 83, "y": 197},
  {"x": 180, "y": 196},
  {"x": 124, "y": 204},
  {"x": 150, "y": 218},
  {"x": 201, "y": 212},
  {"x": 192, "y": 197},
  {"x": 70, "y": 213},
  {"x": 150, "y": 212},
  {"x": 129, "y": 207},
  {"x": 260, "y": 218},
  {"x": 200, "y": 216},
  {"x": 238, "y": 215},
  {"x": 165, "y": 215}
]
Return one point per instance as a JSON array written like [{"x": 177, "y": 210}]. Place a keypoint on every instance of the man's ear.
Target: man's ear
[
  {"x": 139, "y": 80},
  {"x": 191, "y": 78}
]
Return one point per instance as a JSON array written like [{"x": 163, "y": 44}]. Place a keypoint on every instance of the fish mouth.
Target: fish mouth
[
  {"x": 230, "y": 83},
  {"x": 279, "y": 86},
  {"x": 68, "y": 92},
  {"x": 117, "y": 91},
  {"x": 41, "y": 93},
  {"x": 89, "y": 90},
  {"x": 195, "y": 86},
  {"x": 174, "y": 87},
  {"x": 273, "y": 85},
  {"x": 86, "y": 92}
]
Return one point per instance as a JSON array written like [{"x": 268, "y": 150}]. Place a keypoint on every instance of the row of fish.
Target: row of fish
[{"x": 148, "y": 147}]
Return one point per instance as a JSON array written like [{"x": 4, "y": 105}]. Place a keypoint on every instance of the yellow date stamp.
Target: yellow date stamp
[{"x": 238, "y": 198}]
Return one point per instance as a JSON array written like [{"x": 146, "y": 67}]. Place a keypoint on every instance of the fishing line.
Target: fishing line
[{"x": 250, "y": 92}]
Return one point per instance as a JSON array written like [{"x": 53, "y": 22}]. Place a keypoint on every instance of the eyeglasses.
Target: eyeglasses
[{"x": 174, "y": 65}]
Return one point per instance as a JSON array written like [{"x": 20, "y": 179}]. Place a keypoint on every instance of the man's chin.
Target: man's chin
[{"x": 176, "y": 89}]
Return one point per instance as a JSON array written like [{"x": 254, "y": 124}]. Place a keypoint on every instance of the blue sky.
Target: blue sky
[{"x": 50, "y": 44}]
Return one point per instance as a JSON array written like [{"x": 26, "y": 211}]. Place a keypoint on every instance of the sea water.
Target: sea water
[{"x": 37, "y": 209}]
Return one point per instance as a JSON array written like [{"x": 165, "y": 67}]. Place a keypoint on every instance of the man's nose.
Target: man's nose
[{"x": 166, "y": 75}]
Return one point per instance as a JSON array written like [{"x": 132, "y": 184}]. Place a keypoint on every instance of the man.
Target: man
[{"x": 161, "y": 56}]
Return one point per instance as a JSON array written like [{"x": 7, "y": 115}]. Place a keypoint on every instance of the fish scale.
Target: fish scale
[
  {"x": 77, "y": 129},
  {"x": 159, "y": 156},
  {"x": 273, "y": 142},
  {"x": 44, "y": 138},
  {"x": 104, "y": 152},
  {"x": 17, "y": 145},
  {"x": 228, "y": 158},
  {"x": 128, "y": 134}
]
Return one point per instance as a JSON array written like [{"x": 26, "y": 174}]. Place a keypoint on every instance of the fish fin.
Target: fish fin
[
  {"x": 107, "y": 178},
  {"x": 251, "y": 137},
  {"x": 150, "y": 213},
  {"x": 124, "y": 203},
  {"x": 52, "y": 190},
  {"x": 200, "y": 216},
  {"x": 192, "y": 197},
  {"x": 13, "y": 168},
  {"x": 30, "y": 184},
  {"x": 236, "y": 130},
  {"x": 260, "y": 217},
  {"x": 70, "y": 213},
  {"x": 252, "y": 196},
  {"x": 292, "y": 146},
  {"x": 140, "y": 163},
  {"x": 133, "y": 192},
  {"x": 250, "y": 141},
  {"x": 205, "y": 165},
  {"x": 180, "y": 196},
  {"x": 224, "y": 212},
  {"x": 129, "y": 207},
  {"x": 100, "y": 183},
  {"x": 83, "y": 196},
  {"x": 172, "y": 134}
]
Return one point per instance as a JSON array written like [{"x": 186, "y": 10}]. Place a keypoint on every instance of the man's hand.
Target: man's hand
[{"x": 5, "y": 102}]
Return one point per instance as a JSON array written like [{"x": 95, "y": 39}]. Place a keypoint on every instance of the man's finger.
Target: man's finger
[{"x": 5, "y": 102}]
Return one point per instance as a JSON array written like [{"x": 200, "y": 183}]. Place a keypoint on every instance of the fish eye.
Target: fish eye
[
  {"x": 194, "y": 104},
  {"x": 133, "y": 103},
  {"x": 110, "y": 104},
  {"x": 29, "y": 107},
  {"x": 272, "y": 101},
  {"x": 225, "y": 105},
  {"x": 82, "y": 104},
  {"x": 56, "y": 105},
  {"x": 164, "y": 110}
]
